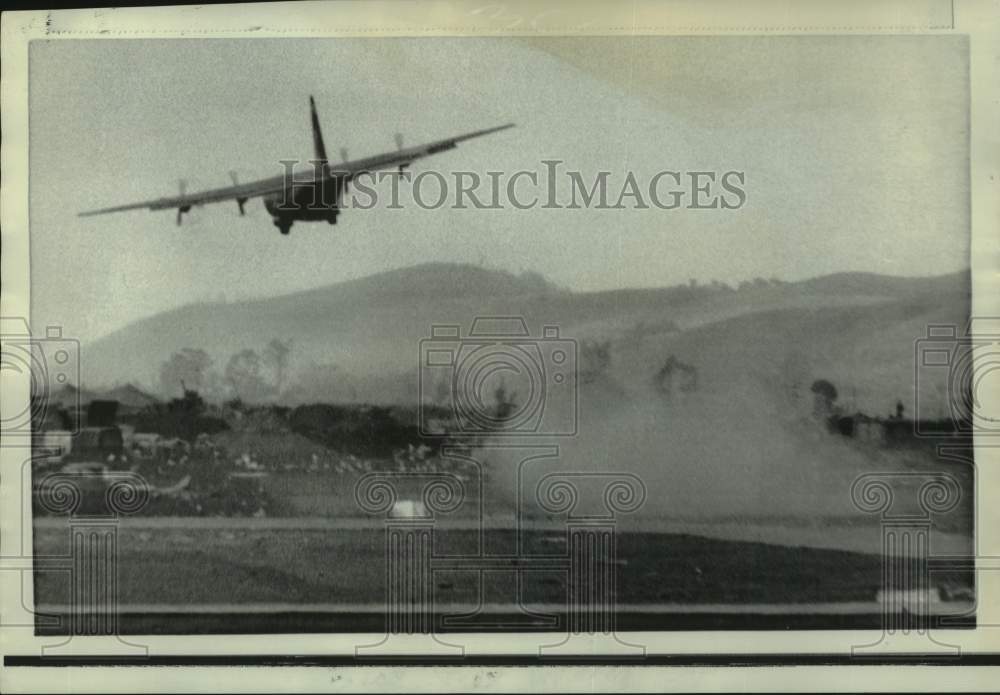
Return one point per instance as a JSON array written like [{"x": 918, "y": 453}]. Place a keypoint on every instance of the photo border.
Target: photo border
[{"x": 675, "y": 660}]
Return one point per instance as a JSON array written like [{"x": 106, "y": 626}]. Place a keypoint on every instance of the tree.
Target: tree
[
  {"x": 244, "y": 377},
  {"x": 276, "y": 357},
  {"x": 824, "y": 398},
  {"x": 505, "y": 403},
  {"x": 664, "y": 379},
  {"x": 187, "y": 369},
  {"x": 595, "y": 359},
  {"x": 191, "y": 404}
]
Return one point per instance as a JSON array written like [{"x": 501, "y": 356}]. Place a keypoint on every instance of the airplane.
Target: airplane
[{"x": 312, "y": 196}]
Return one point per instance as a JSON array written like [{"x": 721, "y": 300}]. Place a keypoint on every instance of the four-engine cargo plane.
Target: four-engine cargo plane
[{"x": 308, "y": 196}]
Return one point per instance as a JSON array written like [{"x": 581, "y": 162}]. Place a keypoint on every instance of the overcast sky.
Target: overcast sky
[{"x": 855, "y": 152}]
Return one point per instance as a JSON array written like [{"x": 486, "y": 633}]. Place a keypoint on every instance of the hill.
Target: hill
[
  {"x": 724, "y": 446},
  {"x": 360, "y": 340}
]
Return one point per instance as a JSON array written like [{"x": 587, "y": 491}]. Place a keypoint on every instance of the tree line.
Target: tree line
[{"x": 249, "y": 375}]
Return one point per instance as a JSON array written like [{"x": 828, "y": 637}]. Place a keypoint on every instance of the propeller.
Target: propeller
[
  {"x": 399, "y": 145},
  {"x": 182, "y": 187},
  {"x": 240, "y": 202}
]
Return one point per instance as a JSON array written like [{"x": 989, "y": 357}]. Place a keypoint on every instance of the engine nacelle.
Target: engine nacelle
[{"x": 271, "y": 204}]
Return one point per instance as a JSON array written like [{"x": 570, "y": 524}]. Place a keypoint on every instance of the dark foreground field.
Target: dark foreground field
[{"x": 184, "y": 575}]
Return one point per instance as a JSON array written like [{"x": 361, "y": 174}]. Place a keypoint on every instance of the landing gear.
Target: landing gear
[
  {"x": 332, "y": 219},
  {"x": 284, "y": 226}
]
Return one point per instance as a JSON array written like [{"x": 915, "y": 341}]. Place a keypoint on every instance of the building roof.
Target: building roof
[
  {"x": 69, "y": 395},
  {"x": 130, "y": 396}
]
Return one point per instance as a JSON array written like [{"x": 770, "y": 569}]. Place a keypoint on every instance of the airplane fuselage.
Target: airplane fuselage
[{"x": 306, "y": 202}]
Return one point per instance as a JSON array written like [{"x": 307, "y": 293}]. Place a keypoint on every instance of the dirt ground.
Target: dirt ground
[{"x": 190, "y": 564}]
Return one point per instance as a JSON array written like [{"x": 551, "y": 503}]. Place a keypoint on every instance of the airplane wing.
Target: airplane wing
[
  {"x": 402, "y": 157},
  {"x": 238, "y": 192}
]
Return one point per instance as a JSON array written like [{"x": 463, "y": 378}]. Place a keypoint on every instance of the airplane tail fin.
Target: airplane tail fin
[{"x": 318, "y": 147}]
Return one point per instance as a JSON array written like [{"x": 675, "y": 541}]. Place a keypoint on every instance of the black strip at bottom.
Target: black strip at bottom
[{"x": 689, "y": 660}]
